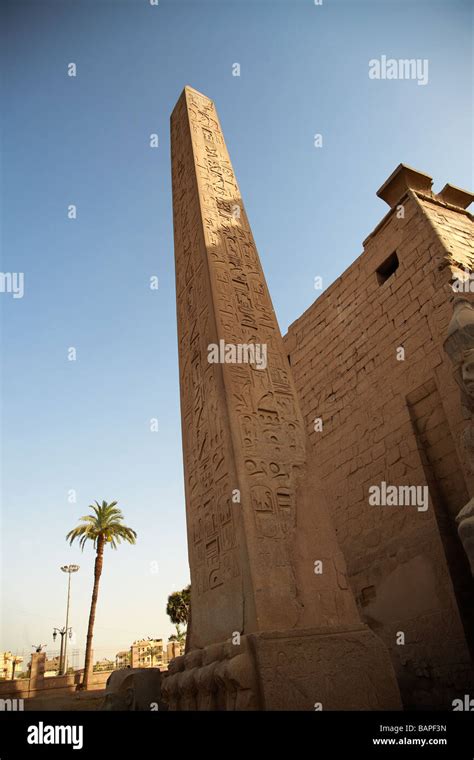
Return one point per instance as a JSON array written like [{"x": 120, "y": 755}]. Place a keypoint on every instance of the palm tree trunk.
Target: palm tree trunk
[
  {"x": 187, "y": 640},
  {"x": 95, "y": 593}
]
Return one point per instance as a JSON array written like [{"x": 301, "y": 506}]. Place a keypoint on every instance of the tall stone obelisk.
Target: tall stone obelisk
[{"x": 274, "y": 623}]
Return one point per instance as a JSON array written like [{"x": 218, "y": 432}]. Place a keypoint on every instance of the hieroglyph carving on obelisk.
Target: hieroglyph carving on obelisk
[
  {"x": 252, "y": 543},
  {"x": 274, "y": 624}
]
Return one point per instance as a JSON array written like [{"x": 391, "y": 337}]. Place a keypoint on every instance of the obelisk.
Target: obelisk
[{"x": 269, "y": 596}]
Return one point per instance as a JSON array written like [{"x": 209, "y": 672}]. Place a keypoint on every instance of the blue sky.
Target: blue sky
[{"x": 85, "y": 425}]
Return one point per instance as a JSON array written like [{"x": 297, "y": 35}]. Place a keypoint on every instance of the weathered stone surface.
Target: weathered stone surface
[
  {"x": 316, "y": 669},
  {"x": 252, "y": 561},
  {"x": 404, "y": 177},
  {"x": 262, "y": 548},
  {"x": 133, "y": 689},
  {"x": 399, "y": 422},
  {"x": 219, "y": 677},
  {"x": 465, "y": 521},
  {"x": 293, "y": 670},
  {"x": 459, "y": 345}
]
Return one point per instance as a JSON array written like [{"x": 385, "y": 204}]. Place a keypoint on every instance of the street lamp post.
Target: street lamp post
[
  {"x": 61, "y": 632},
  {"x": 69, "y": 569}
]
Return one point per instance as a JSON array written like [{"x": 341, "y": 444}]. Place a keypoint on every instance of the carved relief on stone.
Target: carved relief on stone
[
  {"x": 465, "y": 521},
  {"x": 251, "y": 561},
  {"x": 459, "y": 345},
  {"x": 216, "y": 678},
  {"x": 207, "y": 462},
  {"x": 245, "y": 426}
]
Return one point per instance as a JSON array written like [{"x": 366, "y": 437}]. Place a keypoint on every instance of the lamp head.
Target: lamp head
[{"x": 69, "y": 568}]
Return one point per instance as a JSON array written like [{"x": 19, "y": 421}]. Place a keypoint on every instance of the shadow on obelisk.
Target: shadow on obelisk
[{"x": 270, "y": 631}]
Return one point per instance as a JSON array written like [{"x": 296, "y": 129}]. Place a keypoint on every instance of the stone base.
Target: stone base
[
  {"x": 133, "y": 689},
  {"x": 465, "y": 521},
  {"x": 314, "y": 669}
]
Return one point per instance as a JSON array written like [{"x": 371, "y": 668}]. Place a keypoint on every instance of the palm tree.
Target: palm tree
[
  {"x": 179, "y": 611},
  {"x": 104, "y": 526},
  {"x": 179, "y": 635},
  {"x": 154, "y": 651},
  {"x": 178, "y": 606}
]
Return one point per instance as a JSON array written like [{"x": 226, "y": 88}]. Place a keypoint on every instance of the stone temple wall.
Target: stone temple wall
[{"x": 385, "y": 418}]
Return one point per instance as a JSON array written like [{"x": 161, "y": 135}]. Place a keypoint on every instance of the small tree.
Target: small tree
[
  {"x": 178, "y": 605},
  {"x": 178, "y": 610}
]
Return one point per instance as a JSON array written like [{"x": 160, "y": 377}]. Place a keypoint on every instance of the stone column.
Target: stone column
[
  {"x": 135, "y": 656},
  {"x": 38, "y": 664},
  {"x": 459, "y": 345},
  {"x": 268, "y": 580}
]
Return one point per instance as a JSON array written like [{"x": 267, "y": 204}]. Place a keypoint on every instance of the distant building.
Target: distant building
[
  {"x": 9, "y": 665},
  {"x": 148, "y": 653},
  {"x": 122, "y": 659},
  {"x": 51, "y": 667},
  {"x": 102, "y": 665}
]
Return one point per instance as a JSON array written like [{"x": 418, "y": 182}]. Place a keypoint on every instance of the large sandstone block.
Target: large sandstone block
[
  {"x": 133, "y": 689},
  {"x": 314, "y": 669}
]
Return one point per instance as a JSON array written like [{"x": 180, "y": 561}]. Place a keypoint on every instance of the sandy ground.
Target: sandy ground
[{"x": 79, "y": 700}]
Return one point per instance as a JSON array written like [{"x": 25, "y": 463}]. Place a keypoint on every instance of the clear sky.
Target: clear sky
[{"x": 84, "y": 425}]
